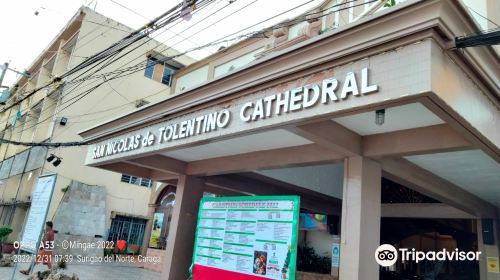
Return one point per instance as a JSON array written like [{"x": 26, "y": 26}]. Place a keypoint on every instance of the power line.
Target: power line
[
  {"x": 93, "y": 88},
  {"x": 139, "y": 66},
  {"x": 114, "y": 48},
  {"x": 482, "y": 15},
  {"x": 203, "y": 4},
  {"x": 121, "y": 106},
  {"x": 83, "y": 79},
  {"x": 45, "y": 144},
  {"x": 100, "y": 76},
  {"x": 216, "y": 42},
  {"x": 130, "y": 10}
]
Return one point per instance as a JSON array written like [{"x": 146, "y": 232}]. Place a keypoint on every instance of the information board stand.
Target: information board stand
[
  {"x": 246, "y": 237},
  {"x": 40, "y": 203}
]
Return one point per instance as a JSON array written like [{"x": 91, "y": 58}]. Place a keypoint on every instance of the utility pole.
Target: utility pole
[
  {"x": 4, "y": 70},
  {"x": 5, "y": 94}
]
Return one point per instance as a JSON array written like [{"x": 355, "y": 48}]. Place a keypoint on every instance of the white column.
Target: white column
[
  {"x": 181, "y": 235},
  {"x": 360, "y": 228}
]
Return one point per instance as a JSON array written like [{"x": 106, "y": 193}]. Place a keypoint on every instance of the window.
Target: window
[
  {"x": 127, "y": 228},
  {"x": 150, "y": 66},
  {"x": 158, "y": 71},
  {"x": 144, "y": 182}
]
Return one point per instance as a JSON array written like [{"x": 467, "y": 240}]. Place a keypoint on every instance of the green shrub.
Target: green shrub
[
  {"x": 4, "y": 232},
  {"x": 309, "y": 261}
]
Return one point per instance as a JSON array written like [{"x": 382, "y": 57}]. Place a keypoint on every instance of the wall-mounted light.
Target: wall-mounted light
[
  {"x": 56, "y": 162},
  {"x": 51, "y": 157},
  {"x": 63, "y": 121},
  {"x": 380, "y": 117}
]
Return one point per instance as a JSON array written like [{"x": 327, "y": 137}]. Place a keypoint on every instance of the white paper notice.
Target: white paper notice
[{"x": 38, "y": 212}]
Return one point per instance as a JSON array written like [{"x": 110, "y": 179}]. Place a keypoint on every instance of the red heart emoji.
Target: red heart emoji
[{"x": 121, "y": 244}]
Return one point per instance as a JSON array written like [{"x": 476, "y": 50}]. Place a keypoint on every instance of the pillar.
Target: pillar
[
  {"x": 181, "y": 236},
  {"x": 147, "y": 230},
  {"x": 360, "y": 228},
  {"x": 488, "y": 251}
]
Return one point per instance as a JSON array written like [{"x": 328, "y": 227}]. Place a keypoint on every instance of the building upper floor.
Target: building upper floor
[{"x": 28, "y": 117}]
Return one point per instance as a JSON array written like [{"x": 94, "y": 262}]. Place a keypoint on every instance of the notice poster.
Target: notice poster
[
  {"x": 246, "y": 237},
  {"x": 336, "y": 255},
  {"x": 40, "y": 203},
  {"x": 493, "y": 265},
  {"x": 154, "y": 240}
]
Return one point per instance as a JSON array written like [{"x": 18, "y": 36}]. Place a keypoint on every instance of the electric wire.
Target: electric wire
[
  {"x": 219, "y": 41},
  {"x": 114, "y": 48},
  {"x": 80, "y": 81},
  {"x": 287, "y": 23},
  {"x": 482, "y": 16},
  {"x": 87, "y": 70},
  {"x": 93, "y": 88}
]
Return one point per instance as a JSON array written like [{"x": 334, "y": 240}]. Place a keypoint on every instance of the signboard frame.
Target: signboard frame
[
  {"x": 24, "y": 243},
  {"x": 295, "y": 225}
]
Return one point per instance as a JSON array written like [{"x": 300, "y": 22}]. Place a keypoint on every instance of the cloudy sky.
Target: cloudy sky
[{"x": 28, "y": 26}]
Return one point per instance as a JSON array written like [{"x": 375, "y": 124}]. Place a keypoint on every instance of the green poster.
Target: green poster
[{"x": 246, "y": 237}]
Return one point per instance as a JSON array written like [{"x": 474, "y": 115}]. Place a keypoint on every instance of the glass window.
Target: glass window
[
  {"x": 167, "y": 76},
  {"x": 158, "y": 71},
  {"x": 150, "y": 67},
  {"x": 144, "y": 182},
  {"x": 134, "y": 180},
  {"x": 129, "y": 229},
  {"x": 125, "y": 178}
]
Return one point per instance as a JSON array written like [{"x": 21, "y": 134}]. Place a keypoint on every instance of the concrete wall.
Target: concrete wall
[
  {"x": 192, "y": 79},
  {"x": 81, "y": 216},
  {"x": 327, "y": 179}
]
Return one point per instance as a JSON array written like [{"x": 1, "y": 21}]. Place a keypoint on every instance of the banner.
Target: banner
[
  {"x": 309, "y": 221},
  {"x": 154, "y": 240},
  {"x": 246, "y": 237},
  {"x": 40, "y": 203}
]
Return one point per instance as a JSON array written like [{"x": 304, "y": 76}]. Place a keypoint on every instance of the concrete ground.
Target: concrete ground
[{"x": 108, "y": 271}]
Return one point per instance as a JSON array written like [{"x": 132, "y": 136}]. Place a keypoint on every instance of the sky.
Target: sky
[{"x": 28, "y": 26}]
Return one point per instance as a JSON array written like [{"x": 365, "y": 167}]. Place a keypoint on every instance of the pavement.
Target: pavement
[{"x": 107, "y": 271}]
